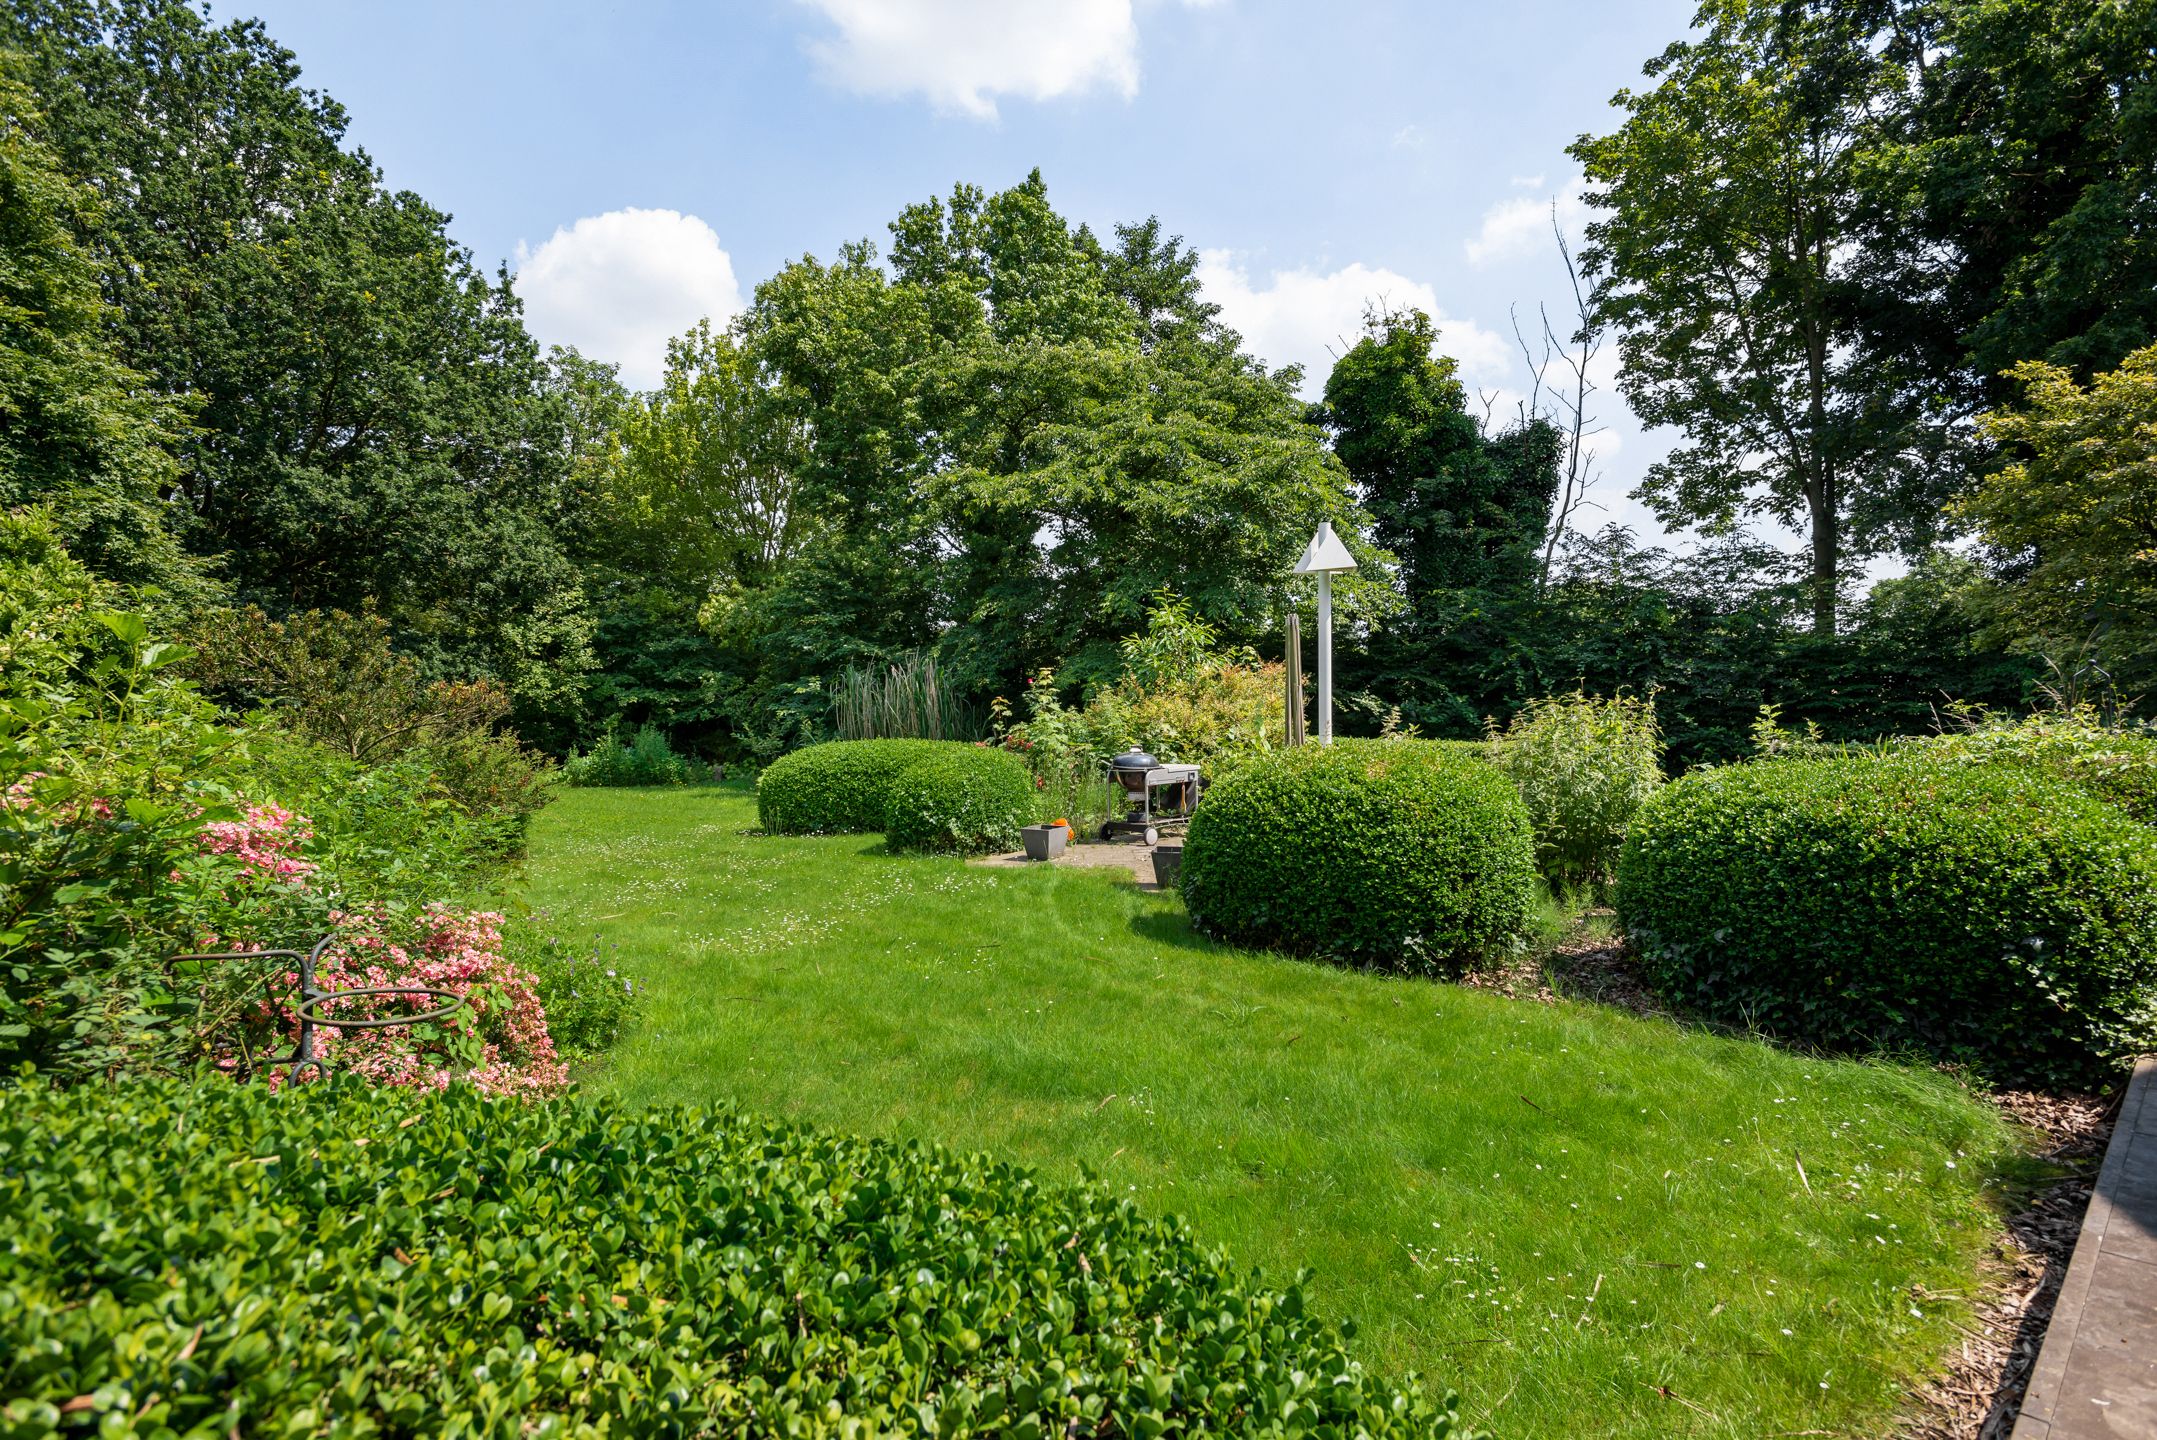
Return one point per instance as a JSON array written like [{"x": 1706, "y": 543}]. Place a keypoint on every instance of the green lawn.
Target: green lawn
[{"x": 1556, "y": 1209}]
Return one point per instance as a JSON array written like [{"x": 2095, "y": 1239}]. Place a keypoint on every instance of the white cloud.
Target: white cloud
[
  {"x": 1526, "y": 182},
  {"x": 618, "y": 286},
  {"x": 961, "y": 55},
  {"x": 1307, "y": 318},
  {"x": 1512, "y": 228},
  {"x": 1411, "y": 137}
]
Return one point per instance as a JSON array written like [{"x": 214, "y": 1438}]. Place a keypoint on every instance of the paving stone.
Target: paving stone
[{"x": 2096, "y": 1377}]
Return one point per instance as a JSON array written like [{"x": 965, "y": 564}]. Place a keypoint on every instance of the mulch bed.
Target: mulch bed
[{"x": 1980, "y": 1392}]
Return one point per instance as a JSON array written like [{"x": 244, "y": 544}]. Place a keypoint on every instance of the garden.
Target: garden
[{"x": 819, "y": 898}]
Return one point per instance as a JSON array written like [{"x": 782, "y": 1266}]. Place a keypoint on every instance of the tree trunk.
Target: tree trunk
[{"x": 1826, "y": 557}]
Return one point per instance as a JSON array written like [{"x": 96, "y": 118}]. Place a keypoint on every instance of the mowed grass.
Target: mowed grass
[{"x": 1588, "y": 1223}]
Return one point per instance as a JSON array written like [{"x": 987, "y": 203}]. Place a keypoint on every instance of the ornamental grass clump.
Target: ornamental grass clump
[
  {"x": 1984, "y": 914},
  {"x": 446, "y": 1263},
  {"x": 1398, "y": 855},
  {"x": 965, "y": 799}
]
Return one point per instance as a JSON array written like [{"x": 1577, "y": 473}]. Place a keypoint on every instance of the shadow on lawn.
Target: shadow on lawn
[{"x": 1172, "y": 927}]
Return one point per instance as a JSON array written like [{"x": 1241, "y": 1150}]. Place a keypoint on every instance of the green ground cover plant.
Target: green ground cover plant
[
  {"x": 964, "y": 799},
  {"x": 1556, "y": 1208},
  {"x": 1394, "y": 854},
  {"x": 1988, "y": 914},
  {"x": 570, "y": 1269}
]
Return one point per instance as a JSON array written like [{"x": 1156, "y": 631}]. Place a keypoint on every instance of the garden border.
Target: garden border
[{"x": 2096, "y": 1376}]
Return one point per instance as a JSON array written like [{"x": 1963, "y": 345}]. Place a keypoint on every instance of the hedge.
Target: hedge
[
  {"x": 214, "y": 1259},
  {"x": 1994, "y": 916},
  {"x": 1396, "y": 854},
  {"x": 963, "y": 799},
  {"x": 837, "y": 788}
]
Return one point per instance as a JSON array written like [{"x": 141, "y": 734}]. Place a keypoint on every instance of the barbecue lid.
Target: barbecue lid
[{"x": 1133, "y": 760}]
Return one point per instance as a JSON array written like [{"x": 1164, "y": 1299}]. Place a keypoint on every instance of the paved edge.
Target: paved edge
[{"x": 2085, "y": 1384}]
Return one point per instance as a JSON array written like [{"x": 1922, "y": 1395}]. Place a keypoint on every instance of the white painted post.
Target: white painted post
[
  {"x": 1325, "y": 657},
  {"x": 1322, "y": 557}
]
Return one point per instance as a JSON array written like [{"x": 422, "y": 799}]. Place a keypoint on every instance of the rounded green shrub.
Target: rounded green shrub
[
  {"x": 838, "y": 788},
  {"x": 1395, "y": 854},
  {"x": 962, "y": 798},
  {"x": 338, "y": 1259},
  {"x": 1985, "y": 914}
]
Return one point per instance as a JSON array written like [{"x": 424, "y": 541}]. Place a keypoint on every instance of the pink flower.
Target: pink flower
[
  {"x": 457, "y": 952},
  {"x": 267, "y": 842}
]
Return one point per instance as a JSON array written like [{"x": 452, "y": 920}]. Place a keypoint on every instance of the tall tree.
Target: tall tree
[
  {"x": 2008, "y": 213},
  {"x": 1724, "y": 263},
  {"x": 79, "y": 431},
  {"x": 371, "y": 419},
  {"x": 1016, "y": 435},
  {"x": 1464, "y": 513}
]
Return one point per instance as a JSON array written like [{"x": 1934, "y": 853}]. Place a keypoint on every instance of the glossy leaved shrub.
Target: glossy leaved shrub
[
  {"x": 1396, "y": 854},
  {"x": 837, "y": 788},
  {"x": 1988, "y": 914},
  {"x": 962, "y": 799},
  {"x": 339, "y": 1260}
]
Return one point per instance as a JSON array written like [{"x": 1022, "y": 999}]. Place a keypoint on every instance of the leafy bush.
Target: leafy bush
[
  {"x": 648, "y": 759},
  {"x": 1979, "y": 913},
  {"x": 275, "y": 1262},
  {"x": 1178, "y": 696},
  {"x": 962, "y": 798},
  {"x": 1396, "y": 854},
  {"x": 588, "y": 1000},
  {"x": 332, "y": 678},
  {"x": 2114, "y": 763},
  {"x": 138, "y": 824},
  {"x": 1583, "y": 764},
  {"x": 841, "y": 787}
]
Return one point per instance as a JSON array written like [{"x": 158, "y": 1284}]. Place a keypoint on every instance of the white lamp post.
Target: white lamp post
[{"x": 1324, "y": 557}]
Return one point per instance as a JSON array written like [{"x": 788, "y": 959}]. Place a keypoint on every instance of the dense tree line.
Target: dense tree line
[{"x": 241, "y": 370}]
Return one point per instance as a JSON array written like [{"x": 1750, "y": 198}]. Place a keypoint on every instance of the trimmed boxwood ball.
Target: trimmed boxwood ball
[
  {"x": 838, "y": 788},
  {"x": 1395, "y": 854},
  {"x": 341, "y": 1260},
  {"x": 1982, "y": 914},
  {"x": 963, "y": 799}
]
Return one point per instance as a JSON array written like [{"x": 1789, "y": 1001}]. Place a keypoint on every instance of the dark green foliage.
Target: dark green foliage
[
  {"x": 1714, "y": 644},
  {"x": 1984, "y": 914},
  {"x": 1459, "y": 511},
  {"x": 966, "y": 799},
  {"x": 841, "y": 787},
  {"x": 370, "y": 420},
  {"x": 2010, "y": 214},
  {"x": 645, "y": 759},
  {"x": 79, "y": 431},
  {"x": 1394, "y": 854},
  {"x": 567, "y": 1269}
]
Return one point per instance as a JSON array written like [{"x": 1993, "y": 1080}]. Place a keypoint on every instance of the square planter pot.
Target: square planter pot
[
  {"x": 1167, "y": 860},
  {"x": 1044, "y": 842}
]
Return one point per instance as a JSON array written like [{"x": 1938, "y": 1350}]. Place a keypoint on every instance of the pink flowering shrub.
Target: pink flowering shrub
[
  {"x": 497, "y": 1041},
  {"x": 267, "y": 842}
]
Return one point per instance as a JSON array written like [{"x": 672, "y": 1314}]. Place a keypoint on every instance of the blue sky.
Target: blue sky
[{"x": 643, "y": 165}]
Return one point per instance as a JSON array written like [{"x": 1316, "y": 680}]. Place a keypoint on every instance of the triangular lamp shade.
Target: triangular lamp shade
[{"x": 1325, "y": 552}]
